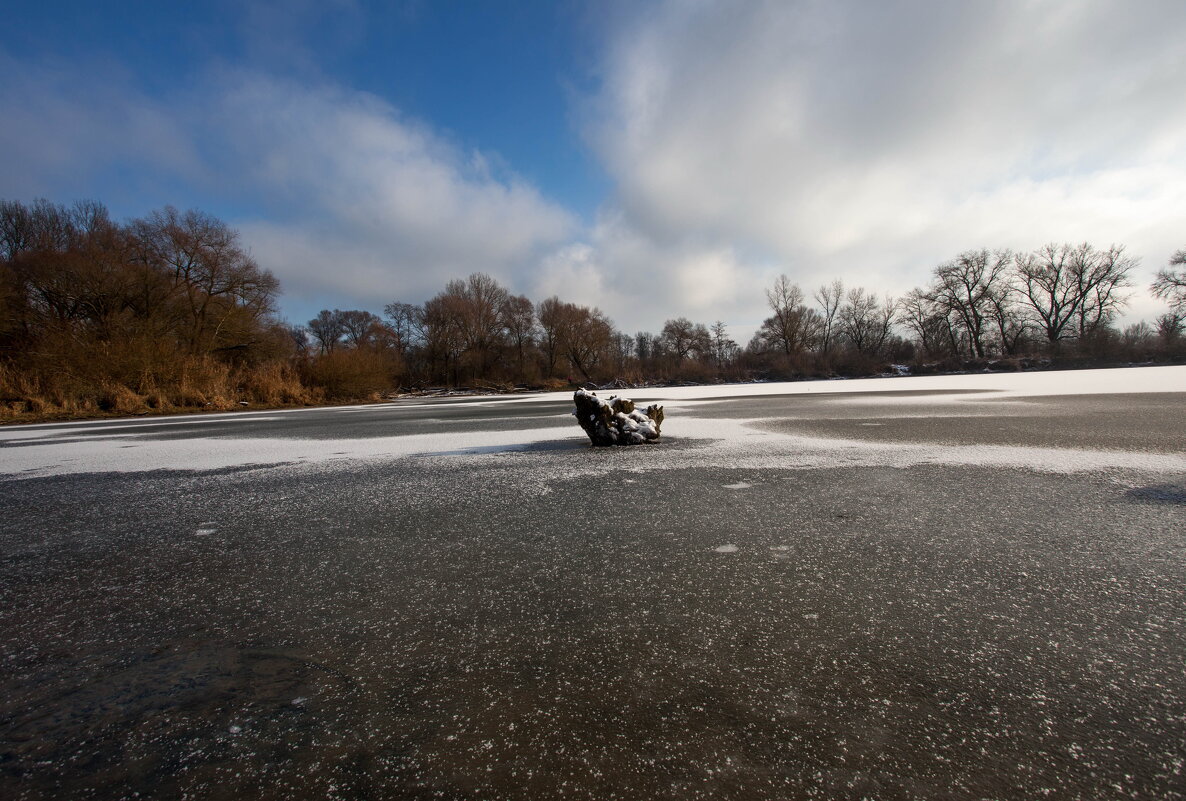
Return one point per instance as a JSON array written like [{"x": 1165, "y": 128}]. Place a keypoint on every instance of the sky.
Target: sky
[{"x": 654, "y": 159}]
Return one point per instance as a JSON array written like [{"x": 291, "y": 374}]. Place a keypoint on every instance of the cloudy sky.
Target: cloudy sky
[{"x": 652, "y": 158}]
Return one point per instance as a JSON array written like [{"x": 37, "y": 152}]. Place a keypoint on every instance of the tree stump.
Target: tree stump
[{"x": 615, "y": 421}]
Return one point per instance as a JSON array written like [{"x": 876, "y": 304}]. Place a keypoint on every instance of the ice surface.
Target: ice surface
[
  {"x": 84, "y": 427},
  {"x": 1045, "y": 383},
  {"x": 111, "y": 454},
  {"x": 722, "y": 442}
]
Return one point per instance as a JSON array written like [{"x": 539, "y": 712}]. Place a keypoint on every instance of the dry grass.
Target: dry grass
[
  {"x": 357, "y": 374},
  {"x": 70, "y": 390},
  {"x": 555, "y": 385}
]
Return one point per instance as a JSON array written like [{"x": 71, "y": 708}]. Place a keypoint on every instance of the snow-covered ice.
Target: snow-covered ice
[
  {"x": 130, "y": 446},
  {"x": 1012, "y": 384},
  {"x": 468, "y": 603}
]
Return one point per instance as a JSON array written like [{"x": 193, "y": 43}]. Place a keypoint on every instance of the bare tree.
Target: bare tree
[
  {"x": 327, "y": 329},
  {"x": 16, "y": 230},
  {"x": 589, "y": 338},
  {"x": 971, "y": 286},
  {"x": 622, "y": 349},
  {"x": 1047, "y": 289},
  {"x": 685, "y": 339},
  {"x": 358, "y": 327},
  {"x": 1101, "y": 277},
  {"x": 552, "y": 332},
  {"x": 829, "y": 297},
  {"x": 1004, "y": 310},
  {"x": 298, "y": 335},
  {"x": 66, "y": 267},
  {"x": 1073, "y": 290},
  {"x": 214, "y": 277},
  {"x": 518, "y": 318},
  {"x": 928, "y": 321},
  {"x": 724, "y": 349},
  {"x": 444, "y": 342},
  {"x": 479, "y": 303},
  {"x": 407, "y": 321},
  {"x": 645, "y": 346},
  {"x": 579, "y": 335},
  {"x": 1137, "y": 340},
  {"x": 1170, "y": 285},
  {"x": 866, "y": 322},
  {"x": 793, "y": 327},
  {"x": 1170, "y": 326},
  {"x": 585, "y": 336},
  {"x": 463, "y": 326}
]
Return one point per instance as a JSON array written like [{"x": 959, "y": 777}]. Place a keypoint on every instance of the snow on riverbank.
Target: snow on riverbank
[
  {"x": 1133, "y": 380},
  {"x": 132, "y": 446},
  {"x": 132, "y": 453}
]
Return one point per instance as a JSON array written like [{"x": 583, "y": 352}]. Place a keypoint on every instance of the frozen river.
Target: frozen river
[{"x": 954, "y": 587}]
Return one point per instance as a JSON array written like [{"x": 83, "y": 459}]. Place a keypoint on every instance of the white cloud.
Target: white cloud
[
  {"x": 864, "y": 141},
  {"x": 870, "y": 141},
  {"x": 356, "y": 204},
  {"x": 374, "y": 206},
  {"x": 640, "y": 283}
]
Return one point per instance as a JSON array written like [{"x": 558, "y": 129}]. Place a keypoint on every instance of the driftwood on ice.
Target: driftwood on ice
[{"x": 614, "y": 420}]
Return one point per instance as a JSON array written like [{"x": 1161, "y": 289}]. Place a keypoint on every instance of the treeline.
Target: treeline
[
  {"x": 171, "y": 312},
  {"x": 984, "y": 308},
  {"x": 164, "y": 312},
  {"x": 476, "y": 334},
  {"x": 1057, "y": 304}
]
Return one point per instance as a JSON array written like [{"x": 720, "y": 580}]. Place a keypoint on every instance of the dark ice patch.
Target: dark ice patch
[{"x": 1159, "y": 493}]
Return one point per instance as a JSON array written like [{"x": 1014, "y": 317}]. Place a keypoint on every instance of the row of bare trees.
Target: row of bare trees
[
  {"x": 476, "y": 332},
  {"x": 1058, "y": 301},
  {"x": 170, "y": 310},
  {"x": 852, "y": 318},
  {"x": 163, "y": 311},
  {"x": 985, "y": 303},
  {"x": 72, "y": 272}
]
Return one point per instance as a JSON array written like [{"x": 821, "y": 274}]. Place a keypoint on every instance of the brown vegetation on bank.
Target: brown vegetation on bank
[{"x": 170, "y": 313}]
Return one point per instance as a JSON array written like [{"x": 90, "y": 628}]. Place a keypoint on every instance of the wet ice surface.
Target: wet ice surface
[{"x": 734, "y": 613}]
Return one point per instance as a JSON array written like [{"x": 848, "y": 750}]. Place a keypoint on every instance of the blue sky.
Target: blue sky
[
  {"x": 653, "y": 158},
  {"x": 489, "y": 76}
]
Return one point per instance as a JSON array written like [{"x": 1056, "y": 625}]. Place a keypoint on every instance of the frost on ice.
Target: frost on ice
[{"x": 614, "y": 420}]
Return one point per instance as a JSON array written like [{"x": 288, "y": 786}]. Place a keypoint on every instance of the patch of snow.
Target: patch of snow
[
  {"x": 718, "y": 442},
  {"x": 1035, "y": 384},
  {"x": 727, "y": 548},
  {"x": 130, "y": 428},
  {"x": 104, "y": 455}
]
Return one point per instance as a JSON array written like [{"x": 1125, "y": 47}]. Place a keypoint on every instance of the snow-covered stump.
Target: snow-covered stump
[{"x": 615, "y": 421}]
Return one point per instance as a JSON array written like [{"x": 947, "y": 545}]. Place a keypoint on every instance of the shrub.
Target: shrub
[{"x": 357, "y": 374}]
